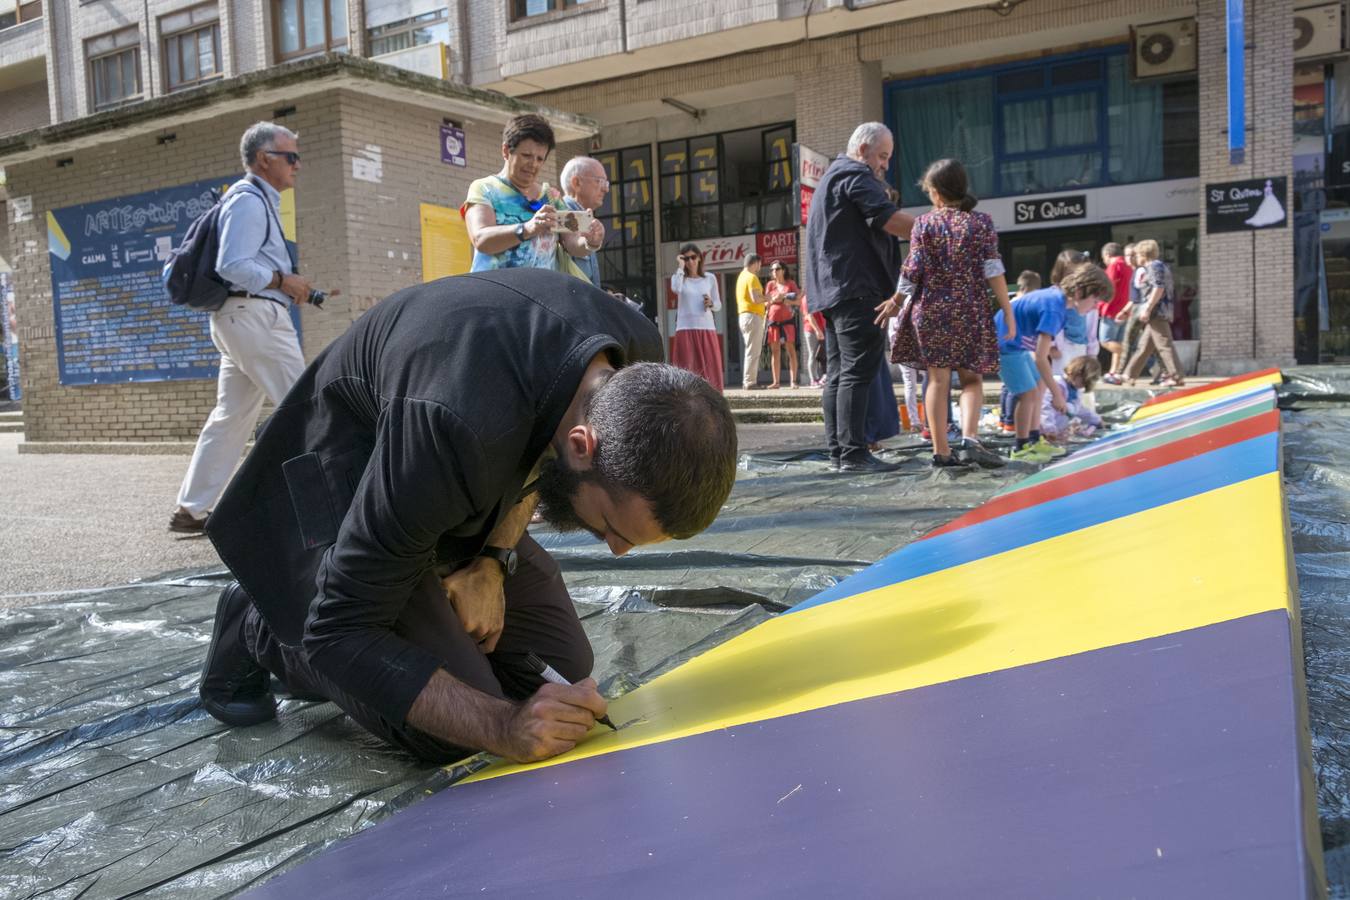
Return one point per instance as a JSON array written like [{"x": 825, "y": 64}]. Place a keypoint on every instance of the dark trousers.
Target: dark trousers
[
  {"x": 540, "y": 617},
  {"x": 853, "y": 348}
]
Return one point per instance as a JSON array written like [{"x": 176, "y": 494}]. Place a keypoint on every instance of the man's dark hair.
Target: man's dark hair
[
  {"x": 528, "y": 127},
  {"x": 666, "y": 435},
  {"x": 1113, "y": 249},
  {"x": 752, "y": 258}
]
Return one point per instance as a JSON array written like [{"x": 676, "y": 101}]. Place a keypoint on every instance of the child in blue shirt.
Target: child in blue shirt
[{"x": 1024, "y": 362}]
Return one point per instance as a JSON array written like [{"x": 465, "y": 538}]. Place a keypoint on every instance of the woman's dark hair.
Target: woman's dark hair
[
  {"x": 1067, "y": 259},
  {"x": 528, "y": 127},
  {"x": 693, "y": 248},
  {"x": 666, "y": 435},
  {"x": 947, "y": 177}
]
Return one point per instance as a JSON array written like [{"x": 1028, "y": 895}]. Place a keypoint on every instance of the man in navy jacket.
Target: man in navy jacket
[{"x": 377, "y": 530}]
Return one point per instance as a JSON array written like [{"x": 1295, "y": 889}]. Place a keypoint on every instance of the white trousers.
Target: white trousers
[{"x": 259, "y": 356}]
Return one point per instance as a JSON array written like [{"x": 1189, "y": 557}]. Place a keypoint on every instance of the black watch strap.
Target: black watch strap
[
  {"x": 506, "y": 557},
  {"x": 520, "y": 232}
]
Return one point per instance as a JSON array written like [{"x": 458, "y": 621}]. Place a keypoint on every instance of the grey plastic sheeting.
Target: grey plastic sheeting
[
  {"x": 114, "y": 781},
  {"x": 1316, "y": 421}
]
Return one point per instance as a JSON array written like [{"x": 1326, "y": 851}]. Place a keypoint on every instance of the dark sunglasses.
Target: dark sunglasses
[{"x": 290, "y": 155}]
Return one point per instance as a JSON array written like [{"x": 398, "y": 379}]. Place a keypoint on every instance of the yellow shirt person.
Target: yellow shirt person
[
  {"x": 747, "y": 285},
  {"x": 750, "y": 306}
]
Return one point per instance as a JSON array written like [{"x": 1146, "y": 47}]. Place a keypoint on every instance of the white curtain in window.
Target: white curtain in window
[
  {"x": 953, "y": 119},
  {"x": 1135, "y": 124}
]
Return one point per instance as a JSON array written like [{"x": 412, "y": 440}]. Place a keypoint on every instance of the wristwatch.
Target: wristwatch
[
  {"x": 520, "y": 232},
  {"x": 507, "y": 558}
]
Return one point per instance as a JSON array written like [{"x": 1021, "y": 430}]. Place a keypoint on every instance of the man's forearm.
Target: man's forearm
[
  {"x": 512, "y": 527},
  {"x": 451, "y": 710},
  {"x": 899, "y": 224}
]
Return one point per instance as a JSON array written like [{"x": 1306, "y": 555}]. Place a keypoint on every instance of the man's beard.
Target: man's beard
[{"x": 557, "y": 486}]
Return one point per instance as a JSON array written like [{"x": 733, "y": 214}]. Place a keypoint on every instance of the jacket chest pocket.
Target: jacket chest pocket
[{"x": 321, "y": 492}]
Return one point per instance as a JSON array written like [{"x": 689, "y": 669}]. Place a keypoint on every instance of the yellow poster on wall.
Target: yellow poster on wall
[{"x": 446, "y": 249}]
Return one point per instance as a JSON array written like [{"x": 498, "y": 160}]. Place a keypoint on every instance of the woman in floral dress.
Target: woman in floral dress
[{"x": 948, "y": 324}]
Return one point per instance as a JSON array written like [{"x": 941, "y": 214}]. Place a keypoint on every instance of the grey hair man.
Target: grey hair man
[
  {"x": 585, "y": 184},
  {"x": 852, "y": 256},
  {"x": 259, "y": 349}
]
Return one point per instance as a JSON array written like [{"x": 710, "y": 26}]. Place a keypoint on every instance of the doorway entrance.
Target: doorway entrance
[{"x": 1036, "y": 250}]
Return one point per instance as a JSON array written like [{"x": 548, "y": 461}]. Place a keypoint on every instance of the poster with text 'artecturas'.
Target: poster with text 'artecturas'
[{"x": 114, "y": 322}]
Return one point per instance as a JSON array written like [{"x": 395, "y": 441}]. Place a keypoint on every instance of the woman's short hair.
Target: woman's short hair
[
  {"x": 1086, "y": 280},
  {"x": 528, "y": 127},
  {"x": 1148, "y": 249}
]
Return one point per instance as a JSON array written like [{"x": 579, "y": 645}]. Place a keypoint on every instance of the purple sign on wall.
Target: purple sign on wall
[{"x": 452, "y": 146}]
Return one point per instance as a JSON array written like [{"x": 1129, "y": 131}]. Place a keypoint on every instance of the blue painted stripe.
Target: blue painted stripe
[
  {"x": 1156, "y": 487},
  {"x": 1153, "y": 427}
]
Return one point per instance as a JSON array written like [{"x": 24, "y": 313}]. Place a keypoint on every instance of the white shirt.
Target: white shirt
[{"x": 691, "y": 315}]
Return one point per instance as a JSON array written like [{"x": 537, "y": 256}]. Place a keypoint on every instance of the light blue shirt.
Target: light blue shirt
[
  {"x": 252, "y": 246},
  {"x": 589, "y": 265}
]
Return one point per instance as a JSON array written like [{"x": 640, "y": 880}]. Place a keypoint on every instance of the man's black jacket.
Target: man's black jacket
[{"x": 402, "y": 445}]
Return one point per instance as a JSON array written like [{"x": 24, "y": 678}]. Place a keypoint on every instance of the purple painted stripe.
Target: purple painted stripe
[{"x": 1163, "y": 768}]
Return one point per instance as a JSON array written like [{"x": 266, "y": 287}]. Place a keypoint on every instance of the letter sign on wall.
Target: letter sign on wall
[{"x": 1050, "y": 209}]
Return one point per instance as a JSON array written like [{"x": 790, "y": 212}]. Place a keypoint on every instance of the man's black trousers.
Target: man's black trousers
[
  {"x": 853, "y": 347},
  {"x": 540, "y": 617}
]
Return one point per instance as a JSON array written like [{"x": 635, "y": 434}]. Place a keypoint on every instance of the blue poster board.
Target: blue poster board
[{"x": 114, "y": 323}]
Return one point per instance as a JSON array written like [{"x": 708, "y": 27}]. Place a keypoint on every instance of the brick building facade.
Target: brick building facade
[{"x": 650, "y": 87}]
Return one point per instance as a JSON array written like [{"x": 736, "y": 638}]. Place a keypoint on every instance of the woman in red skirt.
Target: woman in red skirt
[{"x": 696, "y": 346}]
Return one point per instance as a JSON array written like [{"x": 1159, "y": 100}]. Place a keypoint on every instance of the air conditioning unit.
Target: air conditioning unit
[
  {"x": 1317, "y": 31},
  {"x": 425, "y": 59},
  {"x": 1163, "y": 48}
]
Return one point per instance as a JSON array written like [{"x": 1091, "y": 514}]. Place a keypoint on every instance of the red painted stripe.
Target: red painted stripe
[
  {"x": 1201, "y": 388},
  {"x": 1145, "y": 460}
]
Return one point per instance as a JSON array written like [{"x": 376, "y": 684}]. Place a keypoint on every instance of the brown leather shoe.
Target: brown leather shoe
[{"x": 185, "y": 522}]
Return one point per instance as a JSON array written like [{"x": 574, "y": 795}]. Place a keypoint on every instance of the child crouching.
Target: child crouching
[
  {"x": 1078, "y": 418},
  {"x": 1024, "y": 362}
]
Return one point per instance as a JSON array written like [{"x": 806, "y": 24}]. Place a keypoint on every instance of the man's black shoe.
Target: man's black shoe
[
  {"x": 866, "y": 464},
  {"x": 975, "y": 453},
  {"x": 950, "y": 461},
  {"x": 234, "y": 689}
]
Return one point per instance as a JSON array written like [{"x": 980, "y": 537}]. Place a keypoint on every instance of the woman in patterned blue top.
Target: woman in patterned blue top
[{"x": 511, "y": 217}]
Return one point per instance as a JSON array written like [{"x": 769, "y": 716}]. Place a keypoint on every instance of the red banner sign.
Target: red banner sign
[{"x": 776, "y": 245}]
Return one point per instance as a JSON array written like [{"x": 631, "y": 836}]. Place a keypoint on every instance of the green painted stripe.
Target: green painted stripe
[{"x": 1129, "y": 448}]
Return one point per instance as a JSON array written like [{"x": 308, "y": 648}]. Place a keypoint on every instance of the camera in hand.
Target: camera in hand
[{"x": 316, "y": 298}]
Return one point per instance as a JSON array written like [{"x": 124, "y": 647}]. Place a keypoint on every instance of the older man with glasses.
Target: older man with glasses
[
  {"x": 585, "y": 184},
  {"x": 259, "y": 349}
]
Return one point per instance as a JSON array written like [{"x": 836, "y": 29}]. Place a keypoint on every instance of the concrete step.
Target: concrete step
[
  {"x": 11, "y": 428},
  {"x": 777, "y": 415},
  {"x": 11, "y": 421}
]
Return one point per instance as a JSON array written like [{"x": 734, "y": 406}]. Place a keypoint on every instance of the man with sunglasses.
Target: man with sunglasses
[{"x": 259, "y": 349}]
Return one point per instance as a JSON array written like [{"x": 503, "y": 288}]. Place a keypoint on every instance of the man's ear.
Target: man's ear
[
  {"x": 506, "y": 151},
  {"x": 580, "y": 445}
]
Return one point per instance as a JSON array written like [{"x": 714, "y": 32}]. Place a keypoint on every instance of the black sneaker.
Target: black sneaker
[
  {"x": 948, "y": 462},
  {"x": 234, "y": 688},
  {"x": 975, "y": 453},
  {"x": 866, "y": 464}
]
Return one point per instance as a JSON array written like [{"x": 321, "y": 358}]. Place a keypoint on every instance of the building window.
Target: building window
[
  {"x": 1063, "y": 123},
  {"x": 736, "y": 182},
  {"x": 307, "y": 27},
  {"x": 424, "y": 29},
  {"x": 524, "y": 9},
  {"x": 114, "y": 68},
  {"x": 628, "y": 262},
  {"x": 191, "y": 42},
  {"x": 12, "y": 13}
]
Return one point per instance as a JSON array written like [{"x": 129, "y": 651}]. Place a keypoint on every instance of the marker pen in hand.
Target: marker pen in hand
[{"x": 548, "y": 673}]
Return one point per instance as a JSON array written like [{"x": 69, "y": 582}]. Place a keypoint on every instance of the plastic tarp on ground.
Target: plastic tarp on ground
[{"x": 113, "y": 781}]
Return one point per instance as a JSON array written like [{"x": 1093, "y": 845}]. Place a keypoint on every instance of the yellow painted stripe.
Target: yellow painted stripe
[
  {"x": 1227, "y": 390},
  {"x": 1206, "y": 559}
]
